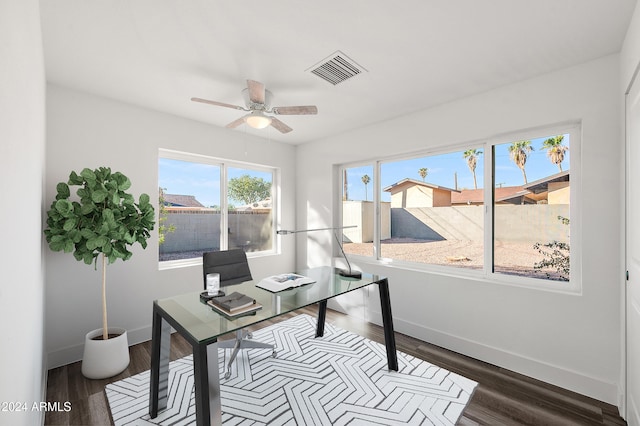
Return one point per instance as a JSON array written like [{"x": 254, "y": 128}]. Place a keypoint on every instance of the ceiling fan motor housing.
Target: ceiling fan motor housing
[{"x": 255, "y": 106}]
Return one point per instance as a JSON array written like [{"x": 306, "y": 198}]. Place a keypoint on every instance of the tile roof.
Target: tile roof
[{"x": 178, "y": 200}]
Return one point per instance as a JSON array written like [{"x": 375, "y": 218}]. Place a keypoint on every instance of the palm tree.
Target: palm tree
[
  {"x": 471, "y": 155},
  {"x": 555, "y": 150},
  {"x": 519, "y": 151},
  {"x": 423, "y": 172},
  {"x": 345, "y": 186},
  {"x": 365, "y": 179}
]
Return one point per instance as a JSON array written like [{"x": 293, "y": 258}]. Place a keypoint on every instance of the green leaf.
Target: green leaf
[
  {"x": 144, "y": 200},
  {"x": 88, "y": 175},
  {"x": 93, "y": 243},
  {"x": 99, "y": 195},
  {"x": 87, "y": 208},
  {"x": 75, "y": 236},
  {"x": 63, "y": 191},
  {"x": 69, "y": 224},
  {"x": 97, "y": 243},
  {"x": 74, "y": 179},
  {"x": 129, "y": 238},
  {"x": 103, "y": 229},
  {"x": 123, "y": 182},
  {"x": 88, "y": 258},
  {"x": 63, "y": 207},
  {"x": 87, "y": 233},
  {"x": 108, "y": 217},
  {"x": 57, "y": 245},
  {"x": 68, "y": 246}
]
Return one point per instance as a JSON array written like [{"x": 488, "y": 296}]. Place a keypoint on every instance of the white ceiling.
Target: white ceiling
[{"x": 417, "y": 53}]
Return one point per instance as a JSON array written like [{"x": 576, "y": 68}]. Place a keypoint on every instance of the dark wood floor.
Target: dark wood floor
[{"x": 501, "y": 398}]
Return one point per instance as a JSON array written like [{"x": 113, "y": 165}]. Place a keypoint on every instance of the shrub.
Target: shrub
[{"x": 556, "y": 256}]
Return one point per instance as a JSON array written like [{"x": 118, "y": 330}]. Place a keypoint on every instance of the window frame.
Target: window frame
[
  {"x": 573, "y": 286},
  {"x": 224, "y": 165}
]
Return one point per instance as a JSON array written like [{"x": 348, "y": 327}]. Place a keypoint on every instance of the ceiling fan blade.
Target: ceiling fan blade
[
  {"x": 295, "y": 110},
  {"x": 256, "y": 91},
  {"x": 235, "y": 123},
  {"x": 222, "y": 104},
  {"x": 280, "y": 126}
]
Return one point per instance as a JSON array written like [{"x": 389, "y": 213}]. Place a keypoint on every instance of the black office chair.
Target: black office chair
[{"x": 233, "y": 267}]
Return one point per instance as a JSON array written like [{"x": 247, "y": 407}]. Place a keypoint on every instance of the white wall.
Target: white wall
[
  {"x": 22, "y": 131},
  {"x": 568, "y": 340},
  {"x": 89, "y": 131},
  {"x": 630, "y": 52}
]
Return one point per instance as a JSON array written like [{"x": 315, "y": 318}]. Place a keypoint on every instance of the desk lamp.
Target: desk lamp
[{"x": 343, "y": 272}]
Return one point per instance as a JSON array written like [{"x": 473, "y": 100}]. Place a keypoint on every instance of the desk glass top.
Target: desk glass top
[{"x": 204, "y": 324}]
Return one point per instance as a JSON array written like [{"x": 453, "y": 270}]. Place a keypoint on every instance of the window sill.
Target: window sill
[{"x": 197, "y": 261}]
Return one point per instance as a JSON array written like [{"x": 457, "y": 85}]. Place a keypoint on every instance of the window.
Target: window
[
  {"x": 207, "y": 204},
  {"x": 432, "y": 209},
  {"x": 250, "y": 209},
  {"x": 531, "y": 200},
  {"x": 436, "y": 209},
  {"x": 357, "y": 210}
]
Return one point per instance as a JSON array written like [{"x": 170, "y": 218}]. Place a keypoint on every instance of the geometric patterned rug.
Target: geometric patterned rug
[{"x": 340, "y": 378}]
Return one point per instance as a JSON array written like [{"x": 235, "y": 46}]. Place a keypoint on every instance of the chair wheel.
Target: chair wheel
[
  {"x": 249, "y": 336},
  {"x": 273, "y": 354},
  {"x": 227, "y": 374}
]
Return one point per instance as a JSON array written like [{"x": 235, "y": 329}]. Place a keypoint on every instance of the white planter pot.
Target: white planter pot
[{"x": 105, "y": 358}]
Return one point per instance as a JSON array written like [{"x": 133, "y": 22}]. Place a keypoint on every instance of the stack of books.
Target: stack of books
[{"x": 234, "y": 304}]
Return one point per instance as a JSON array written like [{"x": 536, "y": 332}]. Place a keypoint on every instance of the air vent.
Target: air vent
[{"x": 337, "y": 68}]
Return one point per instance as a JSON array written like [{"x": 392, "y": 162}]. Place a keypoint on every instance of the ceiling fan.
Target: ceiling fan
[{"x": 258, "y": 104}]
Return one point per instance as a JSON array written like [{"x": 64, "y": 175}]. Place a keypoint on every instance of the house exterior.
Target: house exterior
[
  {"x": 409, "y": 193},
  {"x": 552, "y": 189},
  {"x": 504, "y": 195},
  {"x": 177, "y": 200}
]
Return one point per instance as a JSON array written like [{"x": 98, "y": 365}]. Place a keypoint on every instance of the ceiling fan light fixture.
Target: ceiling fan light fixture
[
  {"x": 258, "y": 102},
  {"x": 257, "y": 120}
]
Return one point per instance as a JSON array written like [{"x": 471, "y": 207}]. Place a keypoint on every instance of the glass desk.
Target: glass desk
[{"x": 201, "y": 326}]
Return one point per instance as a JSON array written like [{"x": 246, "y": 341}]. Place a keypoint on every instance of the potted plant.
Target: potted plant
[{"x": 102, "y": 222}]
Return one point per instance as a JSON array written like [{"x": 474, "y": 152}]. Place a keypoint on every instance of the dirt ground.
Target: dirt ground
[{"x": 510, "y": 258}]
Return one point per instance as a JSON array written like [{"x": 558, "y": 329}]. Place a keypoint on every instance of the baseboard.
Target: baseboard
[
  {"x": 622, "y": 402},
  {"x": 73, "y": 353},
  {"x": 633, "y": 415},
  {"x": 555, "y": 375}
]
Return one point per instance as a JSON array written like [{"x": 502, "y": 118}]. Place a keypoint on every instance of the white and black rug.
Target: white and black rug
[{"x": 341, "y": 378}]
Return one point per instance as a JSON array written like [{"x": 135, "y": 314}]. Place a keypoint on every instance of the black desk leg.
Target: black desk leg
[
  {"x": 322, "y": 314},
  {"x": 387, "y": 323},
  {"x": 160, "y": 347},
  {"x": 207, "y": 385}
]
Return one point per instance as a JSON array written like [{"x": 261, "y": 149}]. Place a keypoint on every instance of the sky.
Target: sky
[
  {"x": 200, "y": 180},
  {"x": 203, "y": 180},
  {"x": 443, "y": 170}
]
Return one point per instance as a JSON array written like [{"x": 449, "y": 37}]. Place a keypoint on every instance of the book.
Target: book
[
  {"x": 276, "y": 283},
  {"x": 247, "y": 310},
  {"x": 233, "y": 302}
]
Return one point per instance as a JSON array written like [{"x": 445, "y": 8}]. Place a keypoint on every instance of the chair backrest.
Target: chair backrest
[{"x": 232, "y": 265}]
